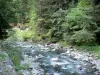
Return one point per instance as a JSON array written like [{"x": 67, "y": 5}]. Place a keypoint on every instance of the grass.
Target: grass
[
  {"x": 22, "y": 67},
  {"x": 93, "y": 49},
  {"x": 2, "y": 56},
  {"x": 14, "y": 53},
  {"x": 22, "y": 35}
]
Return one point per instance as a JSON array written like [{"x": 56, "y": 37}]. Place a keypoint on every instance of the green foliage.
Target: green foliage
[
  {"x": 50, "y": 16},
  {"x": 57, "y": 21},
  {"x": 22, "y": 10},
  {"x": 22, "y": 67},
  {"x": 13, "y": 52},
  {"x": 15, "y": 59},
  {"x": 79, "y": 26},
  {"x": 72, "y": 21},
  {"x": 2, "y": 56},
  {"x": 63, "y": 43},
  {"x": 92, "y": 49},
  {"x": 83, "y": 37},
  {"x": 3, "y": 26},
  {"x": 16, "y": 11},
  {"x": 23, "y": 35},
  {"x": 84, "y": 3},
  {"x": 7, "y": 15},
  {"x": 7, "y": 10}
]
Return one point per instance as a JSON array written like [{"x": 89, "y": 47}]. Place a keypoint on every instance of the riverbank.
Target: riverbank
[
  {"x": 45, "y": 58},
  {"x": 6, "y": 65},
  {"x": 79, "y": 52}
]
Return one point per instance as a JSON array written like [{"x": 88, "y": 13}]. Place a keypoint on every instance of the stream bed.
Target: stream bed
[{"x": 51, "y": 60}]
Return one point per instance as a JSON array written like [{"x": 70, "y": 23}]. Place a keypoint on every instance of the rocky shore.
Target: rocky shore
[
  {"x": 76, "y": 54},
  {"x": 52, "y": 59}
]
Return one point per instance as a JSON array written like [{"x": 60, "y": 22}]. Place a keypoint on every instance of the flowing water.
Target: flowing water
[{"x": 45, "y": 61}]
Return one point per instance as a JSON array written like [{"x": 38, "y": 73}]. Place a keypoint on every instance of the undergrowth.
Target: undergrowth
[
  {"x": 13, "y": 52},
  {"x": 93, "y": 49}
]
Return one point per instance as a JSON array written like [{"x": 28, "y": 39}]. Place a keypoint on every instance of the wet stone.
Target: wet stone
[{"x": 50, "y": 59}]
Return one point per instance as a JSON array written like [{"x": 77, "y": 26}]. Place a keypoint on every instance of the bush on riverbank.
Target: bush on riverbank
[
  {"x": 14, "y": 52},
  {"x": 21, "y": 35}
]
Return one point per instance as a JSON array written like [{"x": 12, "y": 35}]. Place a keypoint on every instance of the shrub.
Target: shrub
[
  {"x": 83, "y": 37},
  {"x": 14, "y": 53},
  {"x": 22, "y": 35},
  {"x": 79, "y": 26}
]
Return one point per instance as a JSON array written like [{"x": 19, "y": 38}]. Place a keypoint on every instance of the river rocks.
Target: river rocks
[
  {"x": 97, "y": 63},
  {"x": 52, "y": 59},
  {"x": 6, "y": 66},
  {"x": 34, "y": 68},
  {"x": 77, "y": 54}
]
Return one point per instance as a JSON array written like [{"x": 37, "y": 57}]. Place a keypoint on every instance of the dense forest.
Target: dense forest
[
  {"x": 73, "y": 21},
  {"x": 49, "y": 37}
]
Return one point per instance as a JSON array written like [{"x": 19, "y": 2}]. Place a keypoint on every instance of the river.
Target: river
[
  {"x": 52, "y": 59},
  {"x": 45, "y": 60}
]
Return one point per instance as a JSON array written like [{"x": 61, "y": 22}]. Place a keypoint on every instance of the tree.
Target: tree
[
  {"x": 80, "y": 25},
  {"x": 6, "y": 14},
  {"x": 48, "y": 18}
]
